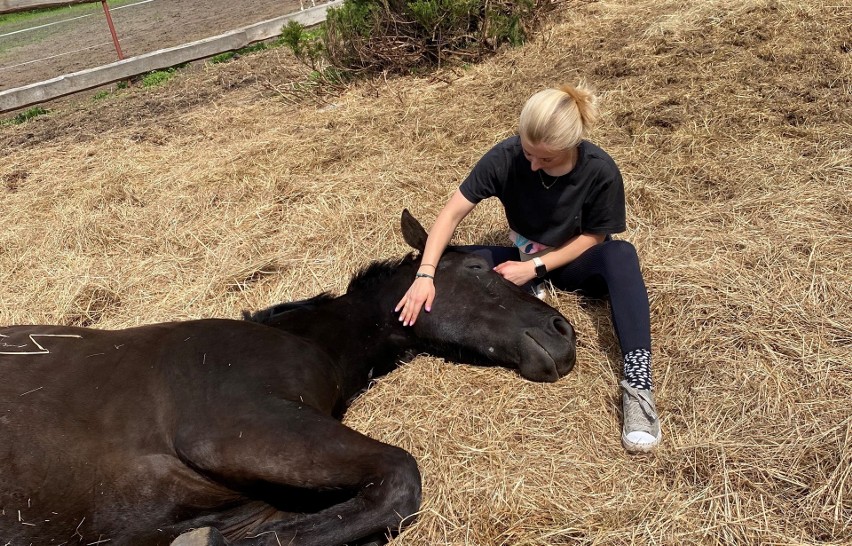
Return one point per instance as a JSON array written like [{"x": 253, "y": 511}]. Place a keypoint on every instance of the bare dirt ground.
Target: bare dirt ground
[{"x": 79, "y": 38}]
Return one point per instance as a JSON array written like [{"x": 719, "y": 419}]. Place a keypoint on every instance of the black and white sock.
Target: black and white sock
[{"x": 637, "y": 368}]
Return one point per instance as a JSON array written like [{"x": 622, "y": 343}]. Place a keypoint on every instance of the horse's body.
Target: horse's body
[{"x": 136, "y": 436}]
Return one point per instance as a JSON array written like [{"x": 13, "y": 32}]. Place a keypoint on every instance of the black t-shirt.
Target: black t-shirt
[{"x": 589, "y": 199}]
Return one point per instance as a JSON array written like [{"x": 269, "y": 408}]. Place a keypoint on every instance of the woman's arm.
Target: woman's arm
[
  {"x": 522, "y": 272},
  {"x": 422, "y": 290}
]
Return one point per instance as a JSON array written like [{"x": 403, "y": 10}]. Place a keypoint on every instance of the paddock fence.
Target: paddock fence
[{"x": 29, "y": 95}]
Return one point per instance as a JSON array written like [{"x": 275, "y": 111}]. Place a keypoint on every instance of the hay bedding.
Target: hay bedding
[{"x": 732, "y": 122}]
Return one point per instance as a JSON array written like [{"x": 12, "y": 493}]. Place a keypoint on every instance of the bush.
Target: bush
[
  {"x": 406, "y": 35},
  {"x": 306, "y": 45}
]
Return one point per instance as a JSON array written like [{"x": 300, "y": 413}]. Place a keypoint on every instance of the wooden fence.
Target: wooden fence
[{"x": 28, "y": 95}]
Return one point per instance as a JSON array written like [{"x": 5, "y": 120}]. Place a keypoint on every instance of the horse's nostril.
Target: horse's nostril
[{"x": 562, "y": 326}]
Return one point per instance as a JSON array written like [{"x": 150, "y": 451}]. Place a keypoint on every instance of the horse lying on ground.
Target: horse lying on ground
[{"x": 231, "y": 428}]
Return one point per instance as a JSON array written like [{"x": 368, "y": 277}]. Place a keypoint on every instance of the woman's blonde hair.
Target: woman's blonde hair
[{"x": 559, "y": 118}]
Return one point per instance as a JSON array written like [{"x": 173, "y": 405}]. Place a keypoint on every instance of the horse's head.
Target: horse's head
[{"x": 480, "y": 317}]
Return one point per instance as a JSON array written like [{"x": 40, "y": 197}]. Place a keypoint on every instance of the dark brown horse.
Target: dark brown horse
[{"x": 231, "y": 428}]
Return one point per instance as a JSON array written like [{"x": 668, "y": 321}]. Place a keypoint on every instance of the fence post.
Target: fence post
[{"x": 112, "y": 30}]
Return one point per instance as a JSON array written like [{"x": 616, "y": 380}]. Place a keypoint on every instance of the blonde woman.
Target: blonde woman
[{"x": 563, "y": 197}]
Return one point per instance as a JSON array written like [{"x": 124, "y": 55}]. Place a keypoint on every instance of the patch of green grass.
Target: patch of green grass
[
  {"x": 222, "y": 57},
  {"x": 260, "y": 46},
  {"x": 9, "y": 18},
  {"x": 159, "y": 77},
  {"x": 110, "y": 92},
  {"x": 26, "y": 115}
]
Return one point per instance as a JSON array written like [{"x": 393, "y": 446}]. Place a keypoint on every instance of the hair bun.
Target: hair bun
[{"x": 586, "y": 102}]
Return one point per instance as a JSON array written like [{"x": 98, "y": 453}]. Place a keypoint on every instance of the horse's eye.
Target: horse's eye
[{"x": 475, "y": 267}]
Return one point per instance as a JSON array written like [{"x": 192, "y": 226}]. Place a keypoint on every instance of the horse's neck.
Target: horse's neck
[{"x": 356, "y": 332}]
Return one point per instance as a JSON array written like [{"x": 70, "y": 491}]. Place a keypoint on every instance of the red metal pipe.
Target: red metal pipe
[{"x": 112, "y": 30}]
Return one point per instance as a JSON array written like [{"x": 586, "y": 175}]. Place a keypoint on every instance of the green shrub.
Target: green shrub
[
  {"x": 307, "y": 45},
  {"x": 402, "y": 35},
  {"x": 406, "y": 36}
]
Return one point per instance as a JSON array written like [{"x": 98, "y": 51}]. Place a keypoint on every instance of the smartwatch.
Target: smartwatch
[{"x": 540, "y": 268}]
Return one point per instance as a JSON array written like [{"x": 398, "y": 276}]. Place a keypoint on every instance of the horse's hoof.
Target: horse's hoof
[{"x": 206, "y": 536}]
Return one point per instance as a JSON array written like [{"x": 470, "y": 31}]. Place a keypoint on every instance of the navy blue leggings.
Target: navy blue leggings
[{"x": 609, "y": 268}]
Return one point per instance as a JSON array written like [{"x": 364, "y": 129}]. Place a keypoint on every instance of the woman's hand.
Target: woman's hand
[
  {"x": 421, "y": 291},
  {"x": 518, "y": 273}
]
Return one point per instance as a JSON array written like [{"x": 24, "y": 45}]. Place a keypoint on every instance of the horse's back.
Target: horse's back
[{"x": 82, "y": 383}]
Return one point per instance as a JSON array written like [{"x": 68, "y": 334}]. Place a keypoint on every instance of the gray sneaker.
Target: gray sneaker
[{"x": 641, "y": 430}]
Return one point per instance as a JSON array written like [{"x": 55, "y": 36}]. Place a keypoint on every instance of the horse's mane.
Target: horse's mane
[
  {"x": 377, "y": 273},
  {"x": 372, "y": 275},
  {"x": 270, "y": 314}
]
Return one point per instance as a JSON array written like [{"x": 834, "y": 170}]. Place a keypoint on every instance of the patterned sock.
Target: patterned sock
[{"x": 637, "y": 368}]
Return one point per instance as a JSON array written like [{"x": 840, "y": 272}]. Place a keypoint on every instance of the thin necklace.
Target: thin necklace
[{"x": 555, "y": 180}]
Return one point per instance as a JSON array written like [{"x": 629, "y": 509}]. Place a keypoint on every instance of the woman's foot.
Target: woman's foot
[{"x": 640, "y": 432}]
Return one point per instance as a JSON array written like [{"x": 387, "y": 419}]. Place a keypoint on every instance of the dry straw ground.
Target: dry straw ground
[{"x": 732, "y": 122}]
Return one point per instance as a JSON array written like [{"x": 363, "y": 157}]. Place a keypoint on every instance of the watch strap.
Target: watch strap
[{"x": 540, "y": 268}]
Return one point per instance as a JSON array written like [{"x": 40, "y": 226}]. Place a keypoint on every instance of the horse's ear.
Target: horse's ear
[{"x": 412, "y": 231}]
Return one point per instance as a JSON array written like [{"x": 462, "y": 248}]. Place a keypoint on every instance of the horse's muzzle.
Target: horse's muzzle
[{"x": 549, "y": 352}]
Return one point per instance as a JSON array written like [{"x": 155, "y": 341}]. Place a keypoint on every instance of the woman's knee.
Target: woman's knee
[
  {"x": 619, "y": 253},
  {"x": 619, "y": 261}
]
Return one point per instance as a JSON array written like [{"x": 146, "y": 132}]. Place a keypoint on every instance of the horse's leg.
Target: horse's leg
[{"x": 289, "y": 447}]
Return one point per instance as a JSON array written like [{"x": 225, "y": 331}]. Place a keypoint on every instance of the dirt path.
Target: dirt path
[{"x": 73, "y": 40}]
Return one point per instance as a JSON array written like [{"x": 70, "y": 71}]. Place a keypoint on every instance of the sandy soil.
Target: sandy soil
[{"x": 80, "y": 39}]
